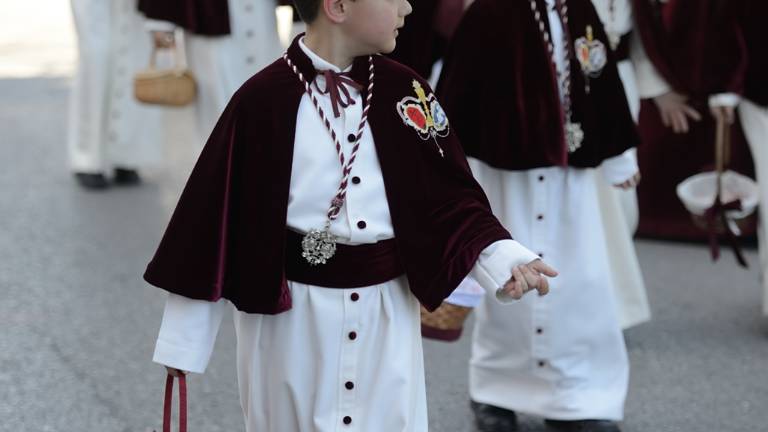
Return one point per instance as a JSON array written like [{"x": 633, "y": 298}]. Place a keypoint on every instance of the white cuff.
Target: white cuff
[
  {"x": 157, "y": 25},
  {"x": 724, "y": 100},
  {"x": 494, "y": 266},
  {"x": 469, "y": 293},
  {"x": 188, "y": 333},
  {"x": 618, "y": 169}
]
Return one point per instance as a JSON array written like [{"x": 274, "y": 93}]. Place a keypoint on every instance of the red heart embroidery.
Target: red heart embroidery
[{"x": 416, "y": 116}]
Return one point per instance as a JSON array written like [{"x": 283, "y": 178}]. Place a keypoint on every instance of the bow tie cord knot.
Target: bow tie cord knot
[{"x": 336, "y": 88}]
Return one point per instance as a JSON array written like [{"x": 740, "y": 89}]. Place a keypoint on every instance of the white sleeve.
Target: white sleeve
[
  {"x": 494, "y": 266},
  {"x": 649, "y": 82},
  {"x": 724, "y": 100},
  {"x": 188, "y": 333},
  {"x": 618, "y": 169}
]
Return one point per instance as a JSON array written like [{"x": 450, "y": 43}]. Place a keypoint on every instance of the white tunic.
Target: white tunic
[
  {"x": 619, "y": 207},
  {"x": 112, "y": 45},
  {"x": 330, "y": 357},
  {"x": 561, "y": 356}
]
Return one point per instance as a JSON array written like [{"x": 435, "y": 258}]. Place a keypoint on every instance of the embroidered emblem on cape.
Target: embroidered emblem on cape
[
  {"x": 424, "y": 114},
  {"x": 591, "y": 53}
]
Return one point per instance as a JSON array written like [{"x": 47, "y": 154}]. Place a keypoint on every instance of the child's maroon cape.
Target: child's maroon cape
[{"x": 226, "y": 238}]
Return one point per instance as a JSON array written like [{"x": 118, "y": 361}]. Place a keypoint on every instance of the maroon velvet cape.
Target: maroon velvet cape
[
  {"x": 202, "y": 17},
  {"x": 698, "y": 48},
  {"x": 227, "y": 235},
  {"x": 500, "y": 91}
]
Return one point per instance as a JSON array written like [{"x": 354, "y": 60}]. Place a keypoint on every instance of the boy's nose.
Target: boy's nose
[{"x": 408, "y": 8}]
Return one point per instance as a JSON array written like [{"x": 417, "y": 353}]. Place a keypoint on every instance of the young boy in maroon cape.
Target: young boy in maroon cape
[
  {"x": 537, "y": 107},
  {"x": 331, "y": 199}
]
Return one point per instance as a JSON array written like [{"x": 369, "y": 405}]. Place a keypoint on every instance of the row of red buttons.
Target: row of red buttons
[
  {"x": 356, "y": 180},
  {"x": 349, "y": 385},
  {"x": 540, "y": 330}
]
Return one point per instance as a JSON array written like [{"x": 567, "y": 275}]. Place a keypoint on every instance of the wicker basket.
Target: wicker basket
[
  {"x": 445, "y": 323},
  {"x": 168, "y": 87}
]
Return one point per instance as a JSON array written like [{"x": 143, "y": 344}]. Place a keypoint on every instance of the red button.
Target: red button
[
  {"x": 541, "y": 178},
  {"x": 355, "y": 296},
  {"x": 352, "y": 335},
  {"x": 540, "y": 217},
  {"x": 542, "y": 363},
  {"x": 362, "y": 225},
  {"x": 351, "y": 138},
  {"x": 356, "y": 180},
  {"x": 539, "y": 330},
  {"x": 349, "y": 385},
  {"x": 541, "y": 254},
  {"x": 347, "y": 420}
]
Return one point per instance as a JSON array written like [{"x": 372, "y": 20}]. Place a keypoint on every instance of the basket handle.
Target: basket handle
[
  {"x": 169, "y": 400},
  {"x": 722, "y": 151},
  {"x": 179, "y": 52}
]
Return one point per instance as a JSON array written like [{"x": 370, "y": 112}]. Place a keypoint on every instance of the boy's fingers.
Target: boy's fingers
[
  {"x": 692, "y": 113},
  {"x": 543, "y": 268},
  {"x": 519, "y": 277},
  {"x": 513, "y": 289},
  {"x": 543, "y": 286},
  {"x": 532, "y": 278},
  {"x": 535, "y": 280}
]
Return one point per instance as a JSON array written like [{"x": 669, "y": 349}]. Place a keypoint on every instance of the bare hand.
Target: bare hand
[
  {"x": 175, "y": 372},
  {"x": 675, "y": 112},
  {"x": 631, "y": 183},
  {"x": 529, "y": 277},
  {"x": 725, "y": 114},
  {"x": 163, "y": 39}
]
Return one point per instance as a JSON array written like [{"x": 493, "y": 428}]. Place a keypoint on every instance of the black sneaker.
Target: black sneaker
[
  {"x": 489, "y": 418},
  {"x": 582, "y": 426},
  {"x": 92, "y": 180},
  {"x": 126, "y": 177}
]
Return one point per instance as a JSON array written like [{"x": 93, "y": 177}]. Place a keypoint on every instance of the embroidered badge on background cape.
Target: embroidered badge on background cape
[
  {"x": 591, "y": 53},
  {"x": 424, "y": 114}
]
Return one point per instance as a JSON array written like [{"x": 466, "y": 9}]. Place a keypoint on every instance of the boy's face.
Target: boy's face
[{"x": 373, "y": 24}]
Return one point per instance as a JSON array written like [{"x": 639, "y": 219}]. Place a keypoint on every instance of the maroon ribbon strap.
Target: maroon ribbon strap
[
  {"x": 336, "y": 88},
  {"x": 169, "y": 401},
  {"x": 715, "y": 214}
]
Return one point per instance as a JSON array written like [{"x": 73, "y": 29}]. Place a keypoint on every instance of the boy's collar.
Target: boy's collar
[{"x": 302, "y": 60}]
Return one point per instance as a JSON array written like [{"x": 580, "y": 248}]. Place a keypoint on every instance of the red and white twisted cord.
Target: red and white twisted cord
[
  {"x": 346, "y": 166},
  {"x": 565, "y": 74}
]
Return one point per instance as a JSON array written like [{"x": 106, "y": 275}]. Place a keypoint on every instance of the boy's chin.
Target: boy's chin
[{"x": 388, "y": 48}]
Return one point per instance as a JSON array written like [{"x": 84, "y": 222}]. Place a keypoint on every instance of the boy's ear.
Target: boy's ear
[{"x": 335, "y": 10}]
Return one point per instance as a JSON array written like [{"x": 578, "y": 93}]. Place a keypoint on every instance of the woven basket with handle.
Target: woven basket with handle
[{"x": 169, "y": 87}]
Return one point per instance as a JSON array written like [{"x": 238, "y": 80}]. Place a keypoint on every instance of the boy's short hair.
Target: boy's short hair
[{"x": 307, "y": 9}]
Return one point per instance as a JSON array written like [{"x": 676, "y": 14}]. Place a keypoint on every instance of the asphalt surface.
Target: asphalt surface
[{"x": 77, "y": 323}]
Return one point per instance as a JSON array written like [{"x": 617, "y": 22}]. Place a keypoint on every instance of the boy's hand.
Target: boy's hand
[
  {"x": 675, "y": 111},
  {"x": 724, "y": 114},
  {"x": 175, "y": 372},
  {"x": 529, "y": 277}
]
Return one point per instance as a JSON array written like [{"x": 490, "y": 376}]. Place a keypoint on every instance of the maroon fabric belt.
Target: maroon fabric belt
[
  {"x": 351, "y": 266},
  {"x": 622, "y": 51}
]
